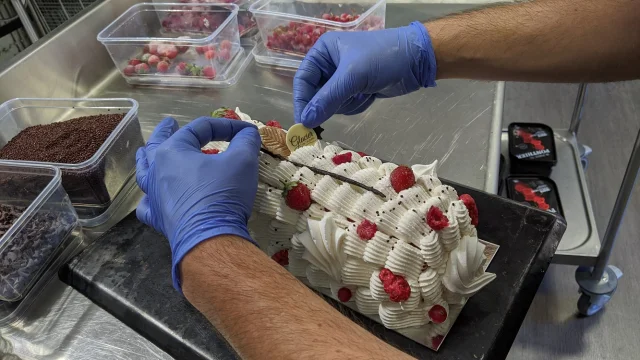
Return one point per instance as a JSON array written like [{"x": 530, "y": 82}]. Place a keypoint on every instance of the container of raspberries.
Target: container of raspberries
[
  {"x": 92, "y": 141},
  {"x": 174, "y": 44},
  {"x": 292, "y": 27},
  {"x": 36, "y": 217}
]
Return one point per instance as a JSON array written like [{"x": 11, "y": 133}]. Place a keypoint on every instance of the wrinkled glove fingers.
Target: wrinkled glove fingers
[
  {"x": 200, "y": 131},
  {"x": 357, "y": 104},
  {"x": 142, "y": 168},
  {"x": 245, "y": 145},
  {"x": 143, "y": 211},
  {"x": 328, "y": 100},
  {"x": 163, "y": 131}
]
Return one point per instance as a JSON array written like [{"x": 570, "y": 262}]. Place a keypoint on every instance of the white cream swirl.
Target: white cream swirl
[
  {"x": 445, "y": 193},
  {"x": 314, "y": 211},
  {"x": 432, "y": 251},
  {"x": 377, "y": 249},
  {"x": 377, "y": 288},
  {"x": 367, "y": 177},
  {"x": 388, "y": 217},
  {"x": 357, "y": 272},
  {"x": 305, "y": 155},
  {"x": 332, "y": 150},
  {"x": 324, "y": 190},
  {"x": 268, "y": 199},
  {"x": 433, "y": 201},
  {"x": 384, "y": 186},
  {"x": 323, "y": 163},
  {"x": 429, "y": 182},
  {"x": 287, "y": 214},
  {"x": 317, "y": 277},
  {"x": 343, "y": 199},
  {"x": 402, "y": 319},
  {"x": 404, "y": 259},
  {"x": 346, "y": 169},
  {"x": 367, "y": 162},
  {"x": 386, "y": 169},
  {"x": 458, "y": 210},
  {"x": 464, "y": 274},
  {"x": 324, "y": 249},
  {"x": 353, "y": 245},
  {"x": 431, "y": 286},
  {"x": 425, "y": 170},
  {"x": 412, "y": 197},
  {"x": 412, "y": 226},
  {"x": 284, "y": 171},
  {"x": 266, "y": 168},
  {"x": 307, "y": 177},
  {"x": 450, "y": 236},
  {"x": 365, "y": 303},
  {"x": 366, "y": 206}
]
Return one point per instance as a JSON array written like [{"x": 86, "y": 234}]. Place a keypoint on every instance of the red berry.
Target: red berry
[
  {"x": 153, "y": 49},
  {"x": 436, "y": 341},
  {"x": 342, "y": 158},
  {"x": 402, "y": 178},
  {"x": 210, "y": 151},
  {"x": 163, "y": 67},
  {"x": 226, "y": 113},
  {"x": 470, "y": 203},
  {"x": 326, "y": 16},
  {"x": 134, "y": 62},
  {"x": 153, "y": 60},
  {"x": 209, "y": 72},
  {"x": 366, "y": 230},
  {"x": 201, "y": 49},
  {"x": 436, "y": 219},
  {"x": 386, "y": 275},
  {"x": 142, "y": 68},
  {"x": 129, "y": 70},
  {"x": 182, "y": 68},
  {"x": 210, "y": 54},
  {"x": 297, "y": 196},
  {"x": 225, "y": 54},
  {"x": 225, "y": 45},
  {"x": 438, "y": 314},
  {"x": 361, "y": 153},
  {"x": 344, "y": 294},
  {"x": 274, "y": 123},
  {"x": 281, "y": 257},
  {"x": 398, "y": 289}
]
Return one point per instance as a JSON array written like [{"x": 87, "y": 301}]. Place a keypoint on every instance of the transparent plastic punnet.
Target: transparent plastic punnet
[
  {"x": 36, "y": 216},
  {"x": 94, "y": 183},
  {"x": 292, "y": 26},
  {"x": 175, "y": 44}
]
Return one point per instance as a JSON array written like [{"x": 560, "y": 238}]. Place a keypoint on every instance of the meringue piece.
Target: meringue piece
[
  {"x": 324, "y": 190},
  {"x": 305, "y": 155},
  {"x": 450, "y": 236},
  {"x": 332, "y": 150},
  {"x": 266, "y": 168},
  {"x": 445, "y": 193},
  {"x": 410, "y": 304},
  {"x": 307, "y": 177},
  {"x": 424, "y": 170},
  {"x": 297, "y": 265},
  {"x": 284, "y": 171},
  {"x": 366, "y": 207},
  {"x": 268, "y": 199},
  {"x": 465, "y": 275},
  {"x": 241, "y": 115},
  {"x": 287, "y": 214},
  {"x": 388, "y": 217},
  {"x": 346, "y": 169},
  {"x": 367, "y": 177},
  {"x": 386, "y": 169},
  {"x": 336, "y": 286},
  {"x": 432, "y": 251},
  {"x": 384, "y": 186},
  {"x": 412, "y": 226},
  {"x": 325, "y": 249},
  {"x": 429, "y": 182},
  {"x": 458, "y": 210},
  {"x": 377, "y": 249},
  {"x": 365, "y": 303},
  {"x": 367, "y": 162},
  {"x": 218, "y": 145},
  {"x": 412, "y": 197},
  {"x": 377, "y": 288},
  {"x": 405, "y": 260},
  {"x": 399, "y": 320},
  {"x": 343, "y": 199},
  {"x": 317, "y": 277},
  {"x": 357, "y": 272},
  {"x": 353, "y": 245},
  {"x": 431, "y": 287},
  {"x": 323, "y": 163}
]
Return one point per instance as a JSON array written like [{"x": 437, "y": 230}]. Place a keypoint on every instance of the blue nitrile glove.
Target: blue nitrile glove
[
  {"x": 345, "y": 71},
  {"x": 191, "y": 196}
]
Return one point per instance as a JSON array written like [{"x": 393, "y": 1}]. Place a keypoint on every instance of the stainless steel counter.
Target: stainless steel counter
[{"x": 457, "y": 123}]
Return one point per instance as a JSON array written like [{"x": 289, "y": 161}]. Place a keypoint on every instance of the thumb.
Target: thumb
[
  {"x": 245, "y": 143},
  {"x": 328, "y": 100}
]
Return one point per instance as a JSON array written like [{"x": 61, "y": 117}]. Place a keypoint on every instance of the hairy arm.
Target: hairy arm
[
  {"x": 265, "y": 312},
  {"x": 542, "y": 40}
]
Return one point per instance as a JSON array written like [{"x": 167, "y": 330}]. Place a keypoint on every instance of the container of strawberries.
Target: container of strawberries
[
  {"x": 175, "y": 44},
  {"x": 292, "y": 27}
]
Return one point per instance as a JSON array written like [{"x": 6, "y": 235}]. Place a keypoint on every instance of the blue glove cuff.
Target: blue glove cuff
[{"x": 428, "y": 58}]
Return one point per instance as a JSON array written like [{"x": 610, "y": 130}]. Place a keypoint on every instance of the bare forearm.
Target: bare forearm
[
  {"x": 542, "y": 40},
  {"x": 264, "y": 312}
]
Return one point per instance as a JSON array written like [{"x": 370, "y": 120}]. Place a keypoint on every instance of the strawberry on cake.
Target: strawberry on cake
[{"x": 408, "y": 259}]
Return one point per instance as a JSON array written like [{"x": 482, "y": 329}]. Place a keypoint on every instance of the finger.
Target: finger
[
  {"x": 363, "y": 105},
  {"x": 315, "y": 68},
  {"x": 160, "y": 134},
  {"x": 246, "y": 143},
  {"x": 357, "y": 104},
  {"x": 200, "y": 131},
  {"x": 326, "y": 102},
  {"x": 142, "y": 168},
  {"x": 143, "y": 211}
]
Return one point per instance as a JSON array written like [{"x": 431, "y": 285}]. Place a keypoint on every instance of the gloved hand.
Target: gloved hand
[
  {"x": 191, "y": 196},
  {"x": 345, "y": 71}
]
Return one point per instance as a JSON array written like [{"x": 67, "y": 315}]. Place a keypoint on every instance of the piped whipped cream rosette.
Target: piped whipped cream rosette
[
  {"x": 378, "y": 248},
  {"x": 369, "y": 162},
  {"x": 315, "y": 212},
  {"x": 366, "y": 206},
  {"x": 306, "y": 155},
  {"x": 432, "y": 250},
  {"x": 324, "y": 190},
  {"x": 402, "y": 319},
  {"x": 429, "y": 183},
  {"x": 354, "y": 245},
  {"x": 368, "y": 177},
  {"x": 425, "y": 170},
  {"x": 342, "y": 200},
  {"x": 458, "y": 210},
  {"x": 450, "y": 235},
  {"x": 431, "y": 286},
  {"x": 357, "y": 272},
  {"x": 413, "y": 226},
  {"x": 384, "y": 186},
  {"x": 405, "y": 259},
  {"x": 307, "y": 177},
  {"x": 297, "y": 265},
  {"x": 412, "y": 197},
  {"x": 464, "y": 273},
  {"x": 365, "y": 302},
  {"x": 318, "y": 277},
  {"x": 388, "y": 217}
]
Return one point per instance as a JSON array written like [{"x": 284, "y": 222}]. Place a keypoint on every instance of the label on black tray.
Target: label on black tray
[
  {"x": 532, "y": 142},
  {"x": 539, "y": 193}
]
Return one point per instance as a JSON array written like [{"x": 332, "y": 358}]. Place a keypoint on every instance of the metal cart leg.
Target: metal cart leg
[
  {"x": 576, "y": 119},
  {"x": 598, "y": 284},
  {"x": 26, "y": 22}
]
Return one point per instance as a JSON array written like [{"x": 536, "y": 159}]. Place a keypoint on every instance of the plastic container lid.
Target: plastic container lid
[
  {"x": 532, "y": 143},
  {"x": 537, "y": 191}
]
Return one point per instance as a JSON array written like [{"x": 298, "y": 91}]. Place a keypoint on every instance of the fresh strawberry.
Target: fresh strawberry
[
  {"x": 366, "y": 230},
  {"x": 209, "y": 72},
  {"x": 344, "y": 294},
  {"x": 470, "y": 203},
  {"x": 274, "y": 123},
  {"x": 281, "y": 257},
  {"x": 226, "y": 113},
  {"x": 436, "y": 219},
  {"x": 129, "y": 70},
  {"x": 342, "y": 158},
  {"x": 144, "y": 58},
  {"x": 438, "y": 314},
  {"x": 153, "y": 49},
  {"x": 224, "y": 55},
  {"x": 436, "y": 341},
  {"x": 226, "y": 44},
  {"x": 361, "y": 153},
  {"x": 163, "y": 67},
  {"x": 153, "y": 60},
  {"x": 134, "y": 62},
  {"x": 297, "y": 196},
  {"x": 182, "y": 68},
  {"x": 210, "y": 54},
  {"x": 210, "y": 151},
  {"x": 142, "y": 68},
  {"x": 172, "y": 52},
  {"x": 201, "y": 49},
  {"x": 402, "y": 178}
]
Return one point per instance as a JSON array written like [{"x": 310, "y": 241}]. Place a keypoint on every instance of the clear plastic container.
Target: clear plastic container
[
  {"x": 92, "y": 184},
  {"x": 172, "y": 44},
  {"x": 265, "y": 56},
  {"x": 36, "y": 216},
  {"x": 292, "y": 26}
]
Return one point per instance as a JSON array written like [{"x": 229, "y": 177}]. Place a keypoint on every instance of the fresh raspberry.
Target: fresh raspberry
[
  {"x": 436, "y": 341},
  {"x": 224, "y": 55},
  {"x": 398, "y": 290},
  {"x": 129, "y": 70},
  {"x": 402, "y": 178},
  {"x": 225, "y": 44},
  {"x": 201, "y": 49},
  {"x": 210, "y": 151},
  {"x": 153, "y": 60},
  {"x": 210, "y": 54},
  {"x": 163, "y": 67},
  {"x": 209, "y": 72},
  {"x": 344, "y": 294},
  {"x": 274, "y": 123},
  {"x": 297, "y": 196},
  {"x": 436, "y": 219},
  {"x": 366, "y": 230},
  {"x": 226, "y": 113},
  {"x": 342, "y": 158},
  {"x": 438, "y": 314},
  {"x": 142, "y": 68},
  {"x": 470, "y": 203},
  {"x": 134, "y": 62},
  {"x": 362, "y": 154},
  {"x": 281, "y": 257},
  {"x": 385, "y": 275}
]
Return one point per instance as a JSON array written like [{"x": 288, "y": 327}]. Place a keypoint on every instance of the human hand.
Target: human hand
[
  {"x": 345, "y": 71},
  {"x": 191, "y": 196}
]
